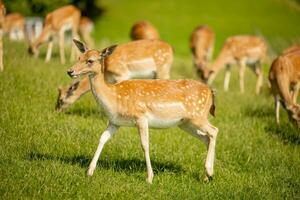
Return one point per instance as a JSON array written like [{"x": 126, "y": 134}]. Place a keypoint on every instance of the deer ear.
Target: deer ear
[
  {"x": 108, "y": 51},
  {"x": 82, "y": 48}
]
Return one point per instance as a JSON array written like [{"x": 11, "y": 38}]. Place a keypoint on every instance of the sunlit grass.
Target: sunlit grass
[{"x": 44, "y": 154}]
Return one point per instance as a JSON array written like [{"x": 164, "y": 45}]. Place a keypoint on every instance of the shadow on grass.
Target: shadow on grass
[
  {"x": 116, "y": 165},
  {"x": 285, "y": 131},
  {"x": 258, "y": 111},
  {"x": 85, "y": 112}
]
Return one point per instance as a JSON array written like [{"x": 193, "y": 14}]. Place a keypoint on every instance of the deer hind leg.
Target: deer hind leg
[
  {"x": 277, "y": 107},
  {"x": 49, "y": 50},
  {"x": 208, "y": 134},
  {"x": 107, "y": 134},
  {"x": 61, "y": 37},
  {"x": 227, "y": 77},
  {"x": 142, "y": 125},
  {"x": 258, "y": 72}
]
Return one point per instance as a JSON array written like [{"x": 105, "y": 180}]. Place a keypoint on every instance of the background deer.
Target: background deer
[
  {"x": 243, "y": 51},
  {"x": 143, "y": 30},
  {"x": 2, "y": 17},
  {"x": 148, "y": 104},
  {"x": 137, "y": 59},
  {"x": 291, "y": 49},
  {"x": 56, "y": 24},
  {"x": 202, "y": 45},
  {"x": 86, "y": 26},
  {"x": 284, "y": 77},
  {"x": 14, "y": 25}
]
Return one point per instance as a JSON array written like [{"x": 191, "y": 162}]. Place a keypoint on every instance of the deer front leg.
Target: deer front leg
[
  {"x": 62, "y": 46},
  {"x": 259, "y": 74},
  {"x": 107, "y": 134},
  {"x": 295, "y": 92},
  {"x": 49, "y": 50},
  {"x": 1, "y": 51},
  {"x": 277, "y": 104},
  {"x": 227, "y": 78},
  {"x": 74, "y": 51},
  {"x": 142, "y": 125},
  {"x": 242, "y": 67}
]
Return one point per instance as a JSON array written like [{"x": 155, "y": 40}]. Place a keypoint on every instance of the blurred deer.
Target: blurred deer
[
  {"x": 14, "y": 25},
  {"x": 137, "y": 59},
  {"x": 291, "y": 49},
  {"x": 143, "y": 30},
  {"x": 2, "y": 18},
  {"x": 56, "y": 24},
  {"x": 284, "y": 77},
  {"x": 86, "y": 26},
  {"x": 243, "y": 51},
  {"x": 202, "y": 45},
  {"x": 148, "y": 104}
]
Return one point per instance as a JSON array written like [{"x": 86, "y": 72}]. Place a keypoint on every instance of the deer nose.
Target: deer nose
[{"x": 70, "y": 72}]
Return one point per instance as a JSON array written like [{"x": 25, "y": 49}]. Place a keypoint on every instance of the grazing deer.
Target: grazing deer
[
  {"x": 143, "y": 30},
  {"x": 202, "y": 44},
  {"x": 148, "y": 104},
  {"x": 86, "y": 26},
  {"x": 291, "y": 49},
  {"x": 56, "y": 24},
  {"x": 284, "y": 77},
  {"x": 243, "y": 51},
  {"x": 2, "y": 17},
  {"x": 136, "y": 59},
  {"x": 14, "y": 25}
]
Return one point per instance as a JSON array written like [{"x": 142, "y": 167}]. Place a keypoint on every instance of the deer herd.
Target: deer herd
[{"x": 131, "y": 81}]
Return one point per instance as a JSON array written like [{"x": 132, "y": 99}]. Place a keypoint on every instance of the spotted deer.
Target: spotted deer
[
  {"x": 55, "y": 25},
  {"x": 284, "y": 77},
  {"x": 202, "y": 44},
  {"x": 14, "y": 25},
  {"x": 148, "y": 104},
  {"x": 2, "y": 18},
  {"x": 136, "y": 59},
  {"x": 243, "y": 51},
  {"x": 86, "y": 26},
  {"x": 291, "y": 49},
  {"x": 143, "y": 30}
]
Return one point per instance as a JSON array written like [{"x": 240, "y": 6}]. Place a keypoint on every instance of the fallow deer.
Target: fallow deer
[
  {"x": 2, "y": 18},
  {"x": 86, "y": 26},
  {"x": 243, "y": 51},
  {"x": 136, "y": 59},
  {"x": 291, "y": 49},
  {"x": 56, "y": 24},
  {"x": 14, "y": 25},
  {"x": 284, "y": 77},
  {"x": 148, "y": 104},
  {"x": 202, "y": 44},
  {"x": 143, "y": 30}
]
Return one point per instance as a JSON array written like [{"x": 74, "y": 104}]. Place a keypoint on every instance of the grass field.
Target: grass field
[{"x": 44, "y": 154}]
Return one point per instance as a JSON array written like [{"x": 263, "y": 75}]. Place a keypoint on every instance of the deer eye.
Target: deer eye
[{"x": 90, "y": 62}]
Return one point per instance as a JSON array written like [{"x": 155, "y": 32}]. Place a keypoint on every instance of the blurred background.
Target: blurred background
[{"x": 276, "y": 20}]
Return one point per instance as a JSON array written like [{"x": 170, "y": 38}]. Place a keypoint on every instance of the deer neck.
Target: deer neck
[{"x": 103, "y": 92}]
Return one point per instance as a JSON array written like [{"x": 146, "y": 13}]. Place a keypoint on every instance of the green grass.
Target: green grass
[{"x": 44, "y": 154}]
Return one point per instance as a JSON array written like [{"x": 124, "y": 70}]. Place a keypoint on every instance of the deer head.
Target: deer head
[{"x": 90, "y": 62}]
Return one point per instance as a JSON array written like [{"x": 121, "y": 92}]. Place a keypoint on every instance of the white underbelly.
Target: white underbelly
[{"x": 156, "y": 122}]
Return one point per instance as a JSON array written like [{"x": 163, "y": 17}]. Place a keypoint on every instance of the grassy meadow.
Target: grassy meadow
[{"x": 45, "y": 154}]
